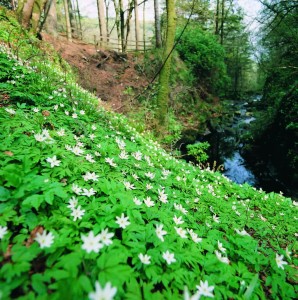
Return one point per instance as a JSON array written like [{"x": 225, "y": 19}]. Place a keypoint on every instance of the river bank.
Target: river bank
[{"x": 228, "y": 137}]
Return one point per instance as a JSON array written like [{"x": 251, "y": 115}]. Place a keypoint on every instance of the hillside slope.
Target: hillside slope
[
  {"x": 107, "y": 74},
  {"x": 90, "y": 208}
]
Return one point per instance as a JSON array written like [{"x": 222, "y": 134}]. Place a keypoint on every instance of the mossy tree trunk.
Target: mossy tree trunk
[
  {"x": 163, "y": 92},
  {"x": 38, "y": 8}
]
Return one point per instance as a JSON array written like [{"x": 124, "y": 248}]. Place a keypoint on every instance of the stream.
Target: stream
[
  {"x": 226, "y": 144},
  {"x": 226, "y": 140}
]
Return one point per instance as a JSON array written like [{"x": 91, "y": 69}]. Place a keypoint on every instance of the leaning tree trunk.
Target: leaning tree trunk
[
  {"x": 163, "y": 92},
  {"x": 157, "y": 24},
  {"x": 67, "y": 21}
]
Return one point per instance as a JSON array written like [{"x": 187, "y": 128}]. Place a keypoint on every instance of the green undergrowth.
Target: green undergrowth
[{"x": 87, "y": 202}]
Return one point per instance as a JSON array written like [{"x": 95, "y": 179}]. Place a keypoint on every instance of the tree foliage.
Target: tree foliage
[
  {"x": 276, "y": 130},
  {"x": 205, "y": 57}
]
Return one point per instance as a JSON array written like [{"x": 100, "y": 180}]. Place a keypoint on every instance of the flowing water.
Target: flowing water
[
  {"x": 235, "y": 166},
  {"x": 226, "y": 148}
]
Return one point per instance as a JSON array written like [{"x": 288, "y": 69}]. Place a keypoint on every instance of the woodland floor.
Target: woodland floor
[{"x": 106, "y": 73}]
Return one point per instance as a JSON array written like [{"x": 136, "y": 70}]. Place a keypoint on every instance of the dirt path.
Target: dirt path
[{"x": 107, "y": 74}]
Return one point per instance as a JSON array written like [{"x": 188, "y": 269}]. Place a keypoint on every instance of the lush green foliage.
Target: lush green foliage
[
  {"x": 205, "y": 57},
  {"x": 70, "y": 170},
  {"x": 6, "y": 3},
  {"x": 276, "y": 127},
  {"x": 198, "y": 151}
]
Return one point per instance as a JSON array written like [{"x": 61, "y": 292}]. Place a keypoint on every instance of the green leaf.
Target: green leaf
[
  {"x": 133, "y": 290},
  {"x": 38, "y": 284},
  {"x": 250, "y": 289},
  {"x": 33, "y": 201},
  {"x": 57, "y": 274},
  {"x": 21, "y": 253},
  {"x": 4, "y": 194},
  {"x": 12, "y": 174},
  {"x": 85, "y": 283}
]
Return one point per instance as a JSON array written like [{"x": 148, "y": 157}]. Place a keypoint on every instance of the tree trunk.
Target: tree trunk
[
  {"x": 36, "y": 14},
  {"x": 127, "y": 23},
  {"x": 67, "y": 20},
  {"x": 72, "y": 19},
  {"x": 102, "y": 21},
  {"x": 51, "y": 19},
  {"x": 163, "y": 92},
  {"x": 24, "y": 12},
  {"x": 157, "y": 24},
  {"x": 144, "y": 25},
  {"x": 122, "y": 26},
  {"x": 117, "y": 22},
  {"x": 137, "y": 25},
  {"x": 13, "y": 4},
  {"x": 217, "y": 18},
  {"x": 222, "y": 21},
  {"x": 79, "y": 20},
  {"x": 107, "y": 19}
]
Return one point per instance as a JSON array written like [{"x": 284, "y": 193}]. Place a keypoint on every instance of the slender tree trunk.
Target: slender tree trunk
[
  {"x": 51, "y": 19},
  {"x": 107, "y": 19},
  {"x": 122, "y": 26},
  {"x": 67, "y": 20},
  {"x": 137, "y": 25},
  {"x": 72, "y": 19},
  {"x": 79, "y": 19},
  {"x": 217, "y": 18},
  {"x": 127, "y": 23},
  {"x": 163, "y": 92},
  {"x": 117, "y": 22},
  {"x": 222, "y": 21},
  {"x": 157, "y": 24},
  {"x": 101, "y": 21},
  {"x": 144, "y": 25}
]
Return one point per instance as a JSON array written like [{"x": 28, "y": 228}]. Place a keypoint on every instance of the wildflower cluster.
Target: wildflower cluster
[{"x": 92, "y": 209}]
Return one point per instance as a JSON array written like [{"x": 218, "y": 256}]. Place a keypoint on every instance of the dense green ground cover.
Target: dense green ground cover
[{"x": 87, "y": 202}]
